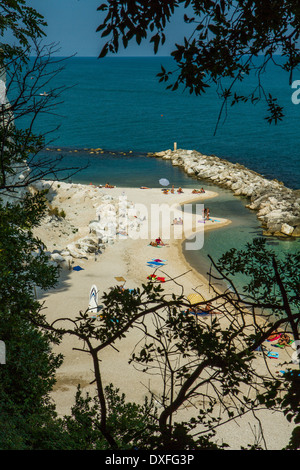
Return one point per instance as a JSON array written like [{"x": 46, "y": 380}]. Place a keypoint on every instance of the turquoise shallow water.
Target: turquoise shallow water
[
  {"x": 243, "y": 229},
  {"x": 136, "y": 169}
]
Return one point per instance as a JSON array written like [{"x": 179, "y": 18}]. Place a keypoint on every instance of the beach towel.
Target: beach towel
[
  {"x": 273, "y": 355},
  {"x": 273, "y": 338},
  {"x": 77, "y": 268},
  {"x": 191, "y": 312},
  {"x": 155, "y": 263},
  {"x": 290, "y": 372},
  {"x": 283, "y": 345},
  {"x": 199, "y": 312}
]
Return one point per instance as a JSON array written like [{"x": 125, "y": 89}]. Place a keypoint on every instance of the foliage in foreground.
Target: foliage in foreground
[{"x": 195, "y": 360}]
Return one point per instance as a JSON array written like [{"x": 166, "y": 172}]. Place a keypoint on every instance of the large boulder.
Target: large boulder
[
  {"x": 296, "y": 232},
  {"x": 286, "y": 229}
]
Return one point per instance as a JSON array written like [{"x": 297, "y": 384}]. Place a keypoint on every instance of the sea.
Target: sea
[{"x": 114, "y": 111}]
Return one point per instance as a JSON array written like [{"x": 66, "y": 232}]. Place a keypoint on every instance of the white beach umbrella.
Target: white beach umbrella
[{"x": 164, "y": 182}]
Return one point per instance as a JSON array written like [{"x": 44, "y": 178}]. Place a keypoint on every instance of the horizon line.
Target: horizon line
[{"x": 74, "y": 56}]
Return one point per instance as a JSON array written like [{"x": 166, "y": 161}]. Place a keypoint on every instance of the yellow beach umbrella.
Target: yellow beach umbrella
[
  {"x": 120, "y": 279},
  {"x": 195, "y": 298}
]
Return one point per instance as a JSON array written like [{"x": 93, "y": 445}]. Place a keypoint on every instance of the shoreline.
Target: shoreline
[
  {"x": 175, "y": 242},
  {"x": 127, "y": 258}
]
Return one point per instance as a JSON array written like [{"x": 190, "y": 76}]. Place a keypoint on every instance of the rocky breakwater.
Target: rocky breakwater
[
  {"x": 277, "y": 207},
  {"x": 82, "y": 220}
]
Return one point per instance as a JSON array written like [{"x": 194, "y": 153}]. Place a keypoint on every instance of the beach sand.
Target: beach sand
[{"x": 128, "y": 258}]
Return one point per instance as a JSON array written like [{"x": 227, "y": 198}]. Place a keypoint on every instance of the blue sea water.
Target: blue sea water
[
  {"x": 117, "y": 103},
  {"x": 118, "y": 107}
]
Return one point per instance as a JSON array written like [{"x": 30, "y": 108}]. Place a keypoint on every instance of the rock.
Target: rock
[
  {"x": 65, "y": 253},
  {"x": 57, "y": 258},
  {"x": 278, "y": 207},
  {"x": 286, "y": 229},
  {"x": 296, "y": 232},
  {"x": 293, "y": 220},
  {"x": 75, "y": 252},
  {"x": 273, "y": 228}
]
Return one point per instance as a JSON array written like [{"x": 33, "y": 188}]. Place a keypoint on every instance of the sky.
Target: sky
[{"x": 73, "y": 24}]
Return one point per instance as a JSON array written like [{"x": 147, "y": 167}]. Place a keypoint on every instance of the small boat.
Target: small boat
[{"x": 93, "y": 300}]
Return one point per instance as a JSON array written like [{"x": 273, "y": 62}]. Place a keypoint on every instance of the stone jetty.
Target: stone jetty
[{"x": 277, "y": 207}]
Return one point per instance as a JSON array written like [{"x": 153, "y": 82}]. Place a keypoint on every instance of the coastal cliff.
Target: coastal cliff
[{"x": 277, "y": 207}]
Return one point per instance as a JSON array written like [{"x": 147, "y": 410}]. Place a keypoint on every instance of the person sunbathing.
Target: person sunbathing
[
  {"x": 284, "y": 340},
  {"x": 153, "y": 243},
  {"x": 274, "y": 335},
  {"x": 159, "y": 241},
  {"x": 198, "y": 310},
  {"x": 179, "y": 190},
  {"x": 107, "y": 185}
]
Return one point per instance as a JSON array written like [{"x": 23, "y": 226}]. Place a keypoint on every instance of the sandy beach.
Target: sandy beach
[{"x": 127, "y": 257}]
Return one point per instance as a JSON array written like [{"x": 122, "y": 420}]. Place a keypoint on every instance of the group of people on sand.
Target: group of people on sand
[
  {"x": 198, "y": 191},
  {"x": 283, "y": 338},
  {"x": 107, "y": 185},
  {"x": 178, "y": 221},
  {"x": 172, "y": 190}
]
